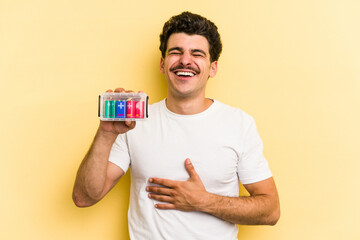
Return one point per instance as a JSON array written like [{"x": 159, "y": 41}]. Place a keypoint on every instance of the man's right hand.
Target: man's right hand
[
  {"x": 96, "y": 175},
  {"x": 117, "y": 127}
]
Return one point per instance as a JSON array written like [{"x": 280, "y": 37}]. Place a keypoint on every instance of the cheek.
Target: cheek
[{"x": 167, "y": 64}]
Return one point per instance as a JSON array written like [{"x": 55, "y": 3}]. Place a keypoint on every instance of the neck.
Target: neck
[{"x": 187, "y": 106}]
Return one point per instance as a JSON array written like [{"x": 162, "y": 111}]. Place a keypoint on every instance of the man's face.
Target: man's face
[{"x": 187, "y": 65}]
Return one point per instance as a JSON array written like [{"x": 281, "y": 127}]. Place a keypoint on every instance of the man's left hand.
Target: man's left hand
[{"x": 187, "y": 195}]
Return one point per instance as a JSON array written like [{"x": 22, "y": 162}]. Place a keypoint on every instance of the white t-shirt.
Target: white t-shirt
[{"x": 224, "y": 147}]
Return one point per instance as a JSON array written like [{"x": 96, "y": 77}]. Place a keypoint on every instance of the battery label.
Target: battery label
[
  {"x": 139, "y": 112},
  {"x": 121, "y": 109},
  {"x": 115, "y": 106},
  {"x": 109, "y": 109},
  {"x": 130, "y": 109}
]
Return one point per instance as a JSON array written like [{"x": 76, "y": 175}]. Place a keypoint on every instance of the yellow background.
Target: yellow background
[{"x": 293, "y": 65}]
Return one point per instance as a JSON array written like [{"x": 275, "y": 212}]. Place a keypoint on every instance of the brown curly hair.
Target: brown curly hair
[{"x": 191, "y": 24}]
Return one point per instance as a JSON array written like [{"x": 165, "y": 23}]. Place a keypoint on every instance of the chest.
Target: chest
[{"x": 161, "y": 150}]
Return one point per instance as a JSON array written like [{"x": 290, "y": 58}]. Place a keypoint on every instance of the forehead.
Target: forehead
[{"x": 186, "y": 41}]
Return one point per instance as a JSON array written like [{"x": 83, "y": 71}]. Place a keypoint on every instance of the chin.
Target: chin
[{"x": 184, "y": 94}]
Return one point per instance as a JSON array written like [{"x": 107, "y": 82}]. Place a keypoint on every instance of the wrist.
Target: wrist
[
  {"x": 106, "y": 135},
  {"x": 206, "y": 203}
]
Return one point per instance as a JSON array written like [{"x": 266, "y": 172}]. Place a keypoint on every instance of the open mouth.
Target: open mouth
[{"x": 184, "y": 74}]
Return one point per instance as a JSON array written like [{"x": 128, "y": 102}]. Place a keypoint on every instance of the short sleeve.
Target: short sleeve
[
  {"x": 119, "y": 154},
  {"x": 252, "y": 165}
]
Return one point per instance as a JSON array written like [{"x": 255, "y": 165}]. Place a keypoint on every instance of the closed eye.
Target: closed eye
[
  {"x": 198, "y": 53},
  {"x": 175, "y": 51}
]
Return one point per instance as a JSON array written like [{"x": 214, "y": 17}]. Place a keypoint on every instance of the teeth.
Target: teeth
[{"x": 185, "y": 74}]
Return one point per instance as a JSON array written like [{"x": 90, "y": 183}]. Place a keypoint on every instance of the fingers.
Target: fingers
[
  {"x": 165, "y": 206},
  {"x": 119, "y": 90},
  {"x": 122, "y": 90},
  {"x": 160, "y": 197},
  {"x": 130, "y": 124},
  {"x": 160, "y": 190},
  {"x": 162, "y": 194},
  {"x": 190, "y": 169},
  {"x": 163, "y": 182}
]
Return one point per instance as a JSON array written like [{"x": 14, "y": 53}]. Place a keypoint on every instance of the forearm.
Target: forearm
[
  {"x": 91, "y": 176},
  {"x": 252, "y": 210}
]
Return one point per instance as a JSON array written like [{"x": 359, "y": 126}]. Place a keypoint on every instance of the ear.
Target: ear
[
  {"x": 213, "y": 69},
  {"x": 162, "y": 66}
]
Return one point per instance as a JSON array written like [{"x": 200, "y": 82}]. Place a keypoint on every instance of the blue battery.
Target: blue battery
[{"x": 120, "y": 109}]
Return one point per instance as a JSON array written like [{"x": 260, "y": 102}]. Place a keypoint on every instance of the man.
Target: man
[{"x": 187, "y": 159}]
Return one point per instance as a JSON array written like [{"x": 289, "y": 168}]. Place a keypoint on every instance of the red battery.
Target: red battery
[
  {"x": 130, "y": 109},
  {"x": 139, "y": 112}
]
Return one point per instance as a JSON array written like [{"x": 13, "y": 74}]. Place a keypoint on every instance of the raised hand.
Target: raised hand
[{"x": 117, "y": 127}]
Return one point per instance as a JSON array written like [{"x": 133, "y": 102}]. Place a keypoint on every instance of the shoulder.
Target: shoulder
[
  {"x": 156, "y": 105},
  {"x": 155, "y": 108},
  {"x": 233, "y": 113}
]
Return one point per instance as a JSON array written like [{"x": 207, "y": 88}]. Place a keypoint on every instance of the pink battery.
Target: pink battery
[
  {"x": 130, "y": 109},
  {"x": 139, "y": 112}
]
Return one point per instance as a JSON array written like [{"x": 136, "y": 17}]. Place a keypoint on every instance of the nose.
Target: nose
[{"x": 185, "y": 59}]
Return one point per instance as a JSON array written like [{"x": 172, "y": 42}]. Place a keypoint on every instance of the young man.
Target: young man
[{"x": 187, "y": 159}]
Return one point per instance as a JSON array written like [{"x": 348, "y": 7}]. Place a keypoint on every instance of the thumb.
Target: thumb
[
  {"x": 190, "y": 169},
  {"x": 130, "y": 124}
]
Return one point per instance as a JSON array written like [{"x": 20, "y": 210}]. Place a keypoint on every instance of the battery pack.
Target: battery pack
[{"x": 115, "y": 106}]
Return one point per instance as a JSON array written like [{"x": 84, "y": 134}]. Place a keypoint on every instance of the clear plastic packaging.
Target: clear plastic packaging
[{"x": 123, "y": 106}]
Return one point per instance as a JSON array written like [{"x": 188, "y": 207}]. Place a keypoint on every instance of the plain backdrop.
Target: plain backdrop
[{"x": 293, "y": 65}]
